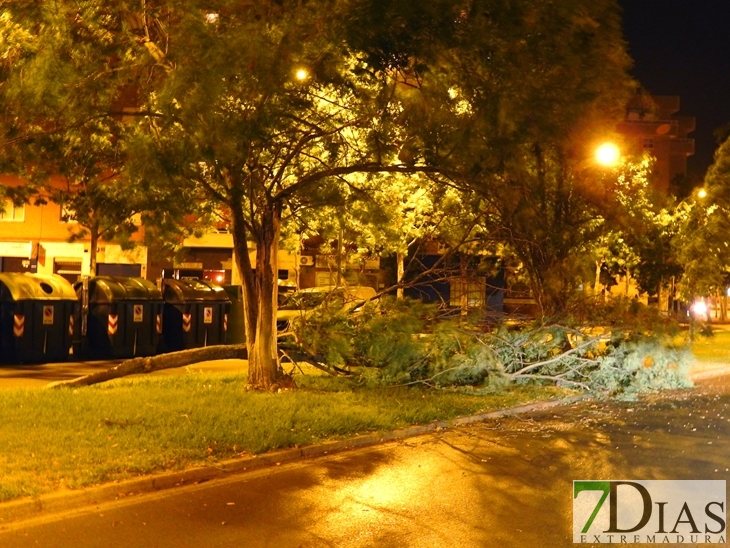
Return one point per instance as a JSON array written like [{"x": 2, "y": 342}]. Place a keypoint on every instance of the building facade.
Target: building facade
[
  {"x": 34, "y": 238},
  {"x": 653, "y": 126}
]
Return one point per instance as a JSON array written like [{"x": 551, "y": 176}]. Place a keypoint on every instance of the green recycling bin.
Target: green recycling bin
[
  {"x": 124, "y": 317},
  {"x": 236, "y": 332},
  {"x": 37, "y": 314},
  {"x": 195, "y": 314}
]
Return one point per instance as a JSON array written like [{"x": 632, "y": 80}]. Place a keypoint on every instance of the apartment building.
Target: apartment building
[
  {"x": 35, "y": 238},
  {"x": 652, "y": 125}
]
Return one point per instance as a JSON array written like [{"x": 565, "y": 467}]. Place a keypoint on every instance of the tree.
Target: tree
[
  {"x": 537, "y": 84},
  {"x": 66, "y": 93},
  {"x": 264, "y": 109},
  {"x": 638, "y": 229},
  {"x": 389, "y": 215},
  {"x": 267, "y": 111},
  {"x": 543, "y": 82},
  {"x": 702, "y": 242}
]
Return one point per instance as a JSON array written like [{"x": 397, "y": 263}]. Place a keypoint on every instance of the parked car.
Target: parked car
[{"x": 301, "y": 304}]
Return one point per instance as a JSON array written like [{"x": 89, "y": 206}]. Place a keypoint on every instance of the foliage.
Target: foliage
[
  {"x": 702, "y": 242},
  {"x": 638, "y": 230},
  {"x": 368, "y": 337},
  {"x": 534, "y": 130},
  {"x": 648, "y": 366},
  {"x": 403, "y": 342},
  {"x": 267, "y": 111},
  {"x": 68, "y": 104}
]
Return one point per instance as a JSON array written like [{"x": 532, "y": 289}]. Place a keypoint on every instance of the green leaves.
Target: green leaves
[{"x": 703, "y": 242}]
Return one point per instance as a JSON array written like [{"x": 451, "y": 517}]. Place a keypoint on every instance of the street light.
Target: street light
[
  {"x": 699, "y": 308},
  {"x": 702, "y": 193},
  {"x": 301, "y": 75},
  {"x": 607, "y": 154}
]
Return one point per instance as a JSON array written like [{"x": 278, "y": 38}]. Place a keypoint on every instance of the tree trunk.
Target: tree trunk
[
  {"x": 93, "y": 245},
  {"x": 340, "y": 251},
  {"x": 400, "y": 260},
  {"x": 137, "y": 366},
  {"x": 248, "y": 285},
  {"x": 464, "y": 283},
  {"x": 260, "y": 296},
  {"x": 263, "y": 364}
]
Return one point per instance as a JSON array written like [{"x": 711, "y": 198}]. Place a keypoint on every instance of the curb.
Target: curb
[{"x": 52, "y": 503}]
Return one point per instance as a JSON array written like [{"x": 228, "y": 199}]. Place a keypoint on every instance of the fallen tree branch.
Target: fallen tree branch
[
  {"x": 523, "y": 370},
  {"x": 556, "y": 378},
  {"x": 301, "y": 353},
  {"x": 156, "y": 363}
]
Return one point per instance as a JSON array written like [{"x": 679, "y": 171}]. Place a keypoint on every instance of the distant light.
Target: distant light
[
  {"x": 607, "y": 154},
  {"x": 211, "y": 18},
  {"x": 219, "y": 278},
  {"x": 302, "y": 74},
  {"x": 699, "y": 308},
  {"x": 702, "y": 193}
]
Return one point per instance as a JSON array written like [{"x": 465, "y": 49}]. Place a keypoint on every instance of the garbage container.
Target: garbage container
[
  {"x": 36, "y": 317},
  {"x": 236, "y": 333},
  {"x": 124, "y": 318},
  {"x": 195, "y": 314}
]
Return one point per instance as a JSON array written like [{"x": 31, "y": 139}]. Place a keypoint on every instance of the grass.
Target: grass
[
  {"x": 73, "y": 438},
  {"x": 712, "y": 350}
]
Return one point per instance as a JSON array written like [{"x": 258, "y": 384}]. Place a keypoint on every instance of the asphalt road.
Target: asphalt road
[{"x": 505, "y": 483}]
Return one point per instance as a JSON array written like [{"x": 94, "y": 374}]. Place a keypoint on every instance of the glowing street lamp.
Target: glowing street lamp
[
  {"x": 607, "y": 154},
  {"x": 301, "y": 75},
  {"x": 699, "y": 308},
  {"x": 702, "y": 193}
]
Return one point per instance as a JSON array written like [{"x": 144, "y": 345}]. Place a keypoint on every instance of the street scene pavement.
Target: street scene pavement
[
  {"x": 39, "y": 375},
  {"x": 505, "y": 482}
]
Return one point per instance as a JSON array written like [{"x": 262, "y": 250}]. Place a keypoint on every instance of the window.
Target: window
[
  {"x": 474, "y": 288},
  {"x": 69, "y": 269},
  {"x": 17, "y": 264},
  {"x": 648, "y": 144},
  {"x": 11, "y": 212}
]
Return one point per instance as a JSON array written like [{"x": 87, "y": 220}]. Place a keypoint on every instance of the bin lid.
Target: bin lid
[
  {"x": 31, "y": 287},
  {"x": 181, "y": 291},
  {"x": 109, "y": 289}
]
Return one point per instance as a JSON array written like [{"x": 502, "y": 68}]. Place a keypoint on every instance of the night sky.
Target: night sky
[{"x": 682, "y": 47}]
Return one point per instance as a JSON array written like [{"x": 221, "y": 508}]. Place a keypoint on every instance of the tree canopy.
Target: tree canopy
[
  {"x": 67, "y": 93},
  {"x": 267, "y": 109}
]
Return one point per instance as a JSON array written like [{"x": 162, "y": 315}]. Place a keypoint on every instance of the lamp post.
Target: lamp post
[{"x": 606, "y": 155}]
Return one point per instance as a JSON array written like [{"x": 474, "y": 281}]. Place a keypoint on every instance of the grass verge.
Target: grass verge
[
  {"x": 711, "y": 352},
  {"x": 72, "y": 438}
]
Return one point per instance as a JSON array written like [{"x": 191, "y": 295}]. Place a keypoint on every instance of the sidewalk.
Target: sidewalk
[{"x": 37, "y": 376}]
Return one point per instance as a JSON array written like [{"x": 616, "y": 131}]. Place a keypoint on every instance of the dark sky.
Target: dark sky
[{"x": 682, "y": 47}]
